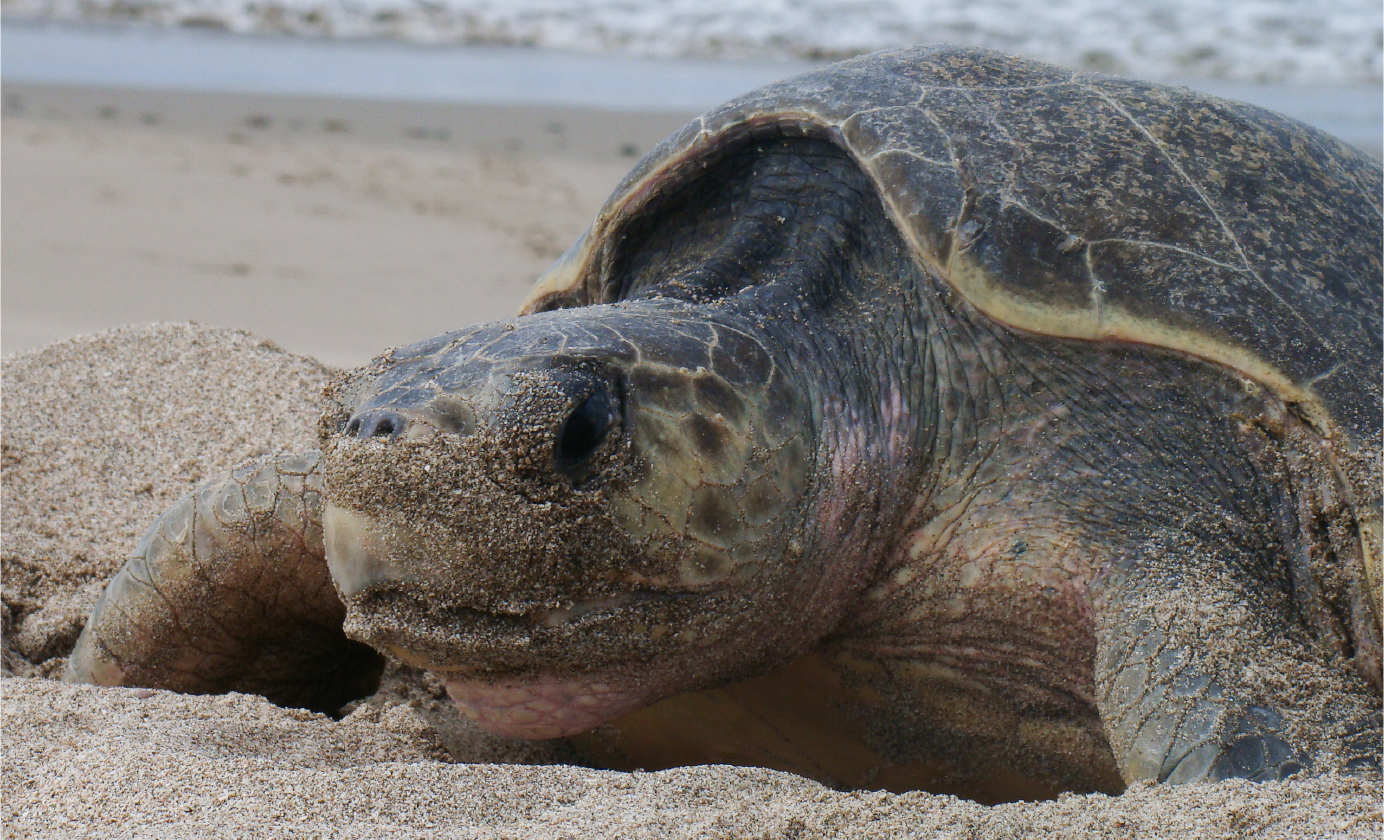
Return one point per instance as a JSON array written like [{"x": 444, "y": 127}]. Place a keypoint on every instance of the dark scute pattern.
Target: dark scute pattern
[
  {"x": 1013, "y": 242},
  {"x": 1202, "y": 214}
]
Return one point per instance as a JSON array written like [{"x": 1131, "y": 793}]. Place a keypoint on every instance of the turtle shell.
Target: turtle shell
[{"x": 1091, "y": 207}]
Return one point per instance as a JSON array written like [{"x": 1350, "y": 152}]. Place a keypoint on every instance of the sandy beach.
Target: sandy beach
[
  {"x": 330, "y": 229},
  {"x": 335, "y": 227},
  {"x": 120, "y": 424}
]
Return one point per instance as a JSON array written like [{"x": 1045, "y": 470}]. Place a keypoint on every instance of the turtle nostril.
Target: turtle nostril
[
  {"x": 384, "y": 428},
  {"x": 584, "y": 430},
  {"x": 386, "y": 424}
]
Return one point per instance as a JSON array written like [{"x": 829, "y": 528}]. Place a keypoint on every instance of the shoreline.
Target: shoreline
[
  {"x": 144, "y": 57},
  {"x": 591, "y": 133}
]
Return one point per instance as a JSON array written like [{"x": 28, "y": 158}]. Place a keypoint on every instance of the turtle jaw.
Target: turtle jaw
[
  {"x": 533, "y": 700},
  {"x": 527, "y": 667},
  {"x": 538, "y": 668},
  {"x": 542, "y": 706}
]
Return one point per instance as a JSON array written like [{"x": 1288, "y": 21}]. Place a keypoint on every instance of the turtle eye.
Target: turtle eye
[
  {"x": 583, "y": 433},
  {"x": 585, "y": 429}
]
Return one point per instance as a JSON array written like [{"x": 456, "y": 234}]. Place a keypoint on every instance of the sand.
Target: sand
[
  {"x": 334, "y": 227},
  {"x": 104, "y": 430},
  {"x": 110, "y": 763},
  {"x": 101, "y": 432}
]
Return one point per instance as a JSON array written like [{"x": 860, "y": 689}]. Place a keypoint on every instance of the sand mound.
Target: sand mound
[
  {"x": 125, "y": 762},
  {"x": 102, "y": 432}
]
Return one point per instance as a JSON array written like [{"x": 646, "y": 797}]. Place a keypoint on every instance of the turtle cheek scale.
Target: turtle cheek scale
[{"x": 731, "y": 471}]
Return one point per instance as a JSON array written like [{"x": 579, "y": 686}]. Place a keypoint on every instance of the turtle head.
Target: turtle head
[{"x": 576, "y": 513}]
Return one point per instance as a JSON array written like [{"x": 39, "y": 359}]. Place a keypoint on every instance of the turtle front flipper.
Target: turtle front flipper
[
  {"x": 229, "y": 591},
  {"x": 1202, "y": 674}
]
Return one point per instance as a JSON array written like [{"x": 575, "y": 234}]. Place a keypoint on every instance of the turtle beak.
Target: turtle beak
[{"x": 359, "y": 551}]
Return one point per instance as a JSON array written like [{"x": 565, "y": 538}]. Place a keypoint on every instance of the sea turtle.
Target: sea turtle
[{"x": 934, "y": 419}]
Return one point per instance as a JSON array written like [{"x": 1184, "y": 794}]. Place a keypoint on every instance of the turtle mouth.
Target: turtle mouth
[
  {"x": 481, "y": 643},
  {"x": 552, "y": 618},
  {"x": 522, "y": 703},
  {"x": 366, "y": 555},
  {"x": 406, "y": 622},
  {"x": 404, "y": 599}
]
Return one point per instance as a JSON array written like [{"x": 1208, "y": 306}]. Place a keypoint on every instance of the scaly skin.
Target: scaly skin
[
  {"x": 229, "y": 591},
  {"x": 1064, "y": 562}
]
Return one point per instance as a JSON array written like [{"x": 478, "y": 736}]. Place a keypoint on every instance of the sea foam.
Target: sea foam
[{"x": 1280, "y": 41}]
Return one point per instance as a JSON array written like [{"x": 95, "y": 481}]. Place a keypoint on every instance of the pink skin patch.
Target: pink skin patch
[{"x": 546, "y": 707}]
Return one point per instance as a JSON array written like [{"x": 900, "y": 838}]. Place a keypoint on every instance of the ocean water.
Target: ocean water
[
  {"x": 193, "y": 60},
  {"x": 199, "y": 60},
  {"x": 1301, "y": 42}
]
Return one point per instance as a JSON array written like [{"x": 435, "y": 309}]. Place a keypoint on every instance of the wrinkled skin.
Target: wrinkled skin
[{"x": 788, "y": 448}]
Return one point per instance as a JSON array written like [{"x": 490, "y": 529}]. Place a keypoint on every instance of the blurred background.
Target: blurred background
[{"x": 346, "y": 175}]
